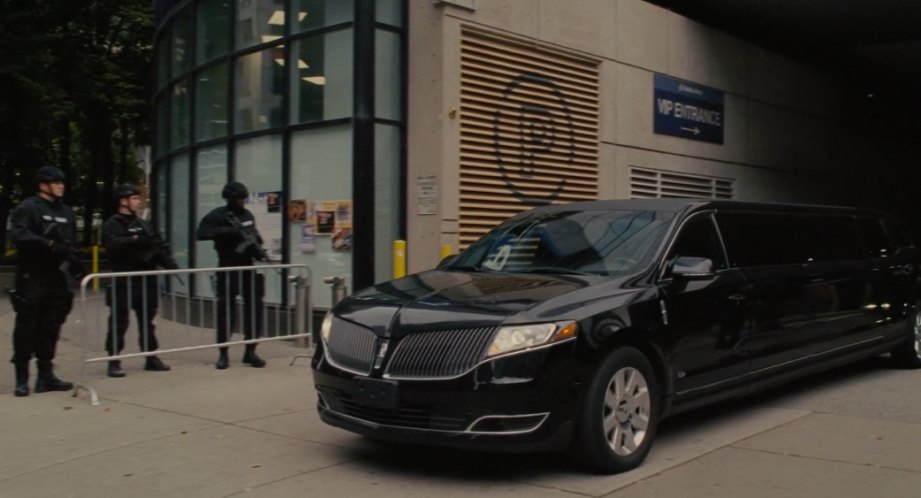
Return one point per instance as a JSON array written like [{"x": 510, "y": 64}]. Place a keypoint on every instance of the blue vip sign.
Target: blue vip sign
[{"x": 688, "y": 110}]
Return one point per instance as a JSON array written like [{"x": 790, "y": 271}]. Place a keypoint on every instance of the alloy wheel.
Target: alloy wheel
[{"x": 628, "y": 408}]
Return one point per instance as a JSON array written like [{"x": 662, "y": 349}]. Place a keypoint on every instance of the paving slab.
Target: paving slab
[
  {"x": 212, "y": 462},
  {"x": 837, "y": 438},
  {"x": 736, "y": 472}
]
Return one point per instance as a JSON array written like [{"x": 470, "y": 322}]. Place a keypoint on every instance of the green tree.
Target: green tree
[{"x": 75, "y": 82}]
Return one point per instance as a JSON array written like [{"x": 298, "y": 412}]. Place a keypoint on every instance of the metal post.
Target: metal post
[
  {"x": 339, "y": 289},
  {"x": 302, "y": 297}
]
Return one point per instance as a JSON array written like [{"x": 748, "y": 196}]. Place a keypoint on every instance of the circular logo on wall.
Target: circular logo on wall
[{"x": 531, "y": 107}]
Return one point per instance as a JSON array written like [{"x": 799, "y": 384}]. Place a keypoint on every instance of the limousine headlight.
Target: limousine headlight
[
  {"x": 327, "y": 326},
  {"x": 520, "y": 337}
]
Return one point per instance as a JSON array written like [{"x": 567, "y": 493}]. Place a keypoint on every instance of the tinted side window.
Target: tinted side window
[
  {"x": 897, "y": 236},
  {"x": 698, "y": 238},
  {"x": 873, "y": 236},
  {"x": 762, "y": 239}
]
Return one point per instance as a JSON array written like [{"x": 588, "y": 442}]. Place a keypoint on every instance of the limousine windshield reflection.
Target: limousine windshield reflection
[{"x": 582, "y": 326}]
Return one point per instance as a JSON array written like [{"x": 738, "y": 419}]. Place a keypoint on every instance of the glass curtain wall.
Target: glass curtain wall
[{"x": 263, "y": 92}]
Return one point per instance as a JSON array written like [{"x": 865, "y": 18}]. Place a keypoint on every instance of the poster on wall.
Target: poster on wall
[
  {"x": 326, "y": 217},
  {"x": 308, "y": 243},
  {"x": 297, "y": 210},
  {"x": 342, "y": 229},
  {"x": 266, "y": 207}
]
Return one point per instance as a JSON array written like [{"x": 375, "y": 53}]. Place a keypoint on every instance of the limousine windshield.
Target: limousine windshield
[{"x": 613, "y": 242}]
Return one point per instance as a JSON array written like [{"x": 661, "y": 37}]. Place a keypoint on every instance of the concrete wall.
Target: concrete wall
[{"x": 781, "y": 137}]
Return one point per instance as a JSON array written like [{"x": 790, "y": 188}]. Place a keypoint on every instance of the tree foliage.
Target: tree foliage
[{"x": 75, "y": 92}]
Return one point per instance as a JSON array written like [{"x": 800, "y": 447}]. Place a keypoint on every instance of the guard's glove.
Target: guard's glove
[
  {"x": 60, "y": 249},
  {"x": 142, "y": 240}
]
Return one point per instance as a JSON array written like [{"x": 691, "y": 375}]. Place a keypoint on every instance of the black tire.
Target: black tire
[
  {"x": 908, "y": 354},
  {"x": 624, "y": 442}
]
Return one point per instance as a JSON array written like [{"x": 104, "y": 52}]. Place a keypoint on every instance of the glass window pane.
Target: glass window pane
[
  {"x": 321, "y": 172},
  {"x": 162, "y": 125},
  {"x": 386, "y": 198},
  {"x": 182, "y": 42},
  {"x": 389, "y": 12},
  {"x": 257, "y": 164},
  {"x": 163, "y": 58},
  {"x": 179, "y": 116},
  {"x": 211, "y": 103},
  {"x": 322, "y": 81},
  {"x": 259, "y": 85},
  {"x": 318, "y": 13},
  {"x": 387, "y": 79},
  {"x": 179, "y": 222},
  {"x": 259, "y": 21},
  {"x": 162, "y": 189},
  {"x": 213, "y": 30},
  {"x": 211, "y": 176}
]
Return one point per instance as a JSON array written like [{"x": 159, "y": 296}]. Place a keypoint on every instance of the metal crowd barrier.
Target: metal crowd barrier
[{"x": 285, "y": 312}]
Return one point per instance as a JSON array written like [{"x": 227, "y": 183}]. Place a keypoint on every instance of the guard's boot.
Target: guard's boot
[
  {"x": 115, "y": 369},
  {"x": 155, "y": 364},
  {"x": 222, "y": 360},
  {"x": 22, "y": 380},
  {"x": 47, "y": 381},
  {"x": 251, "y": 358}
]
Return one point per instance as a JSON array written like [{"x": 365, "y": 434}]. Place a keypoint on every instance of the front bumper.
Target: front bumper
[{"x": 524, "y": 402}]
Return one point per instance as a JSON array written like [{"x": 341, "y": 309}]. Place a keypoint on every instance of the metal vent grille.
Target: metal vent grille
[
  {"x": 351, "y": 346},
  {"x": 439, "y": 354},
  {"x": 528, "y": 129},
  {"x": 651, "y": 184}
]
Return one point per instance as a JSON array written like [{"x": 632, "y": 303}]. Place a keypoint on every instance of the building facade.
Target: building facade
[{"x": 433, "y": 120}]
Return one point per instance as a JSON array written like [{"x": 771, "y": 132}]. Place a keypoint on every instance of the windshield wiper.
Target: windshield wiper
[
  {"x": 469, "y": 268},
  {"x": 555, "y": 270}
]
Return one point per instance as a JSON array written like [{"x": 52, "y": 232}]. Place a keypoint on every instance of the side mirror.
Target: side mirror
[
  {"x": 692, "y": 268},
  {"x": 447, "y": 261}
]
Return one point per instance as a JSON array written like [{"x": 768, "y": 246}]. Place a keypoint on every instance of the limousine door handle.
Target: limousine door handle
[{"x": 736, "y": 298}]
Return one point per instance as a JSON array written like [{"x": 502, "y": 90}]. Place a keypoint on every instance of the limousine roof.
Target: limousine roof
[{"x": 675, "y": 205}]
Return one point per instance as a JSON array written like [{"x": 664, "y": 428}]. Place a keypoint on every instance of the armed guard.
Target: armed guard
[
  {"x": 238, "y": 243},
  {"x": 132, "y": 245},
  {"x": 43, "y": 230}
]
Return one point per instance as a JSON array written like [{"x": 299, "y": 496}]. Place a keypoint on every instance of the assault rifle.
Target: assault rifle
[
  {"x": 252, "y": 243},
  {"x": 72, "y": 264},
  {"x": 157, "y": 250}
]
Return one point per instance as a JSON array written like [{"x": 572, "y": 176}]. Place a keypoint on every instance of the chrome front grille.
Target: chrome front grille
[
  {"x": 351, "y": 346},
  {"x": 439, "y": 354}
]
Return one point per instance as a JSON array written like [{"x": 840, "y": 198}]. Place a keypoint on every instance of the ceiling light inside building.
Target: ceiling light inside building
[
  {"x": 316, "y": 80},
  {"x": 268, "y": 38},
  {"x": 278, "y": 18},
  {"x": 302, "y": 65},
  {"x": 301, "y": 16}
]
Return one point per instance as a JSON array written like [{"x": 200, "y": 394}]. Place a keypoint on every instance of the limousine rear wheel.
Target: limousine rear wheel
[
  {"x": 908, "y": 354},
  {"x": 620, "y": 413}
]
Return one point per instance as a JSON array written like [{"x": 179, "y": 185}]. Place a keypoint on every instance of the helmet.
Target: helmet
[
  {"x": 48, "y": 174},
  {"x": 126, "y": 190},
  {"x": 234, "y": 190}
]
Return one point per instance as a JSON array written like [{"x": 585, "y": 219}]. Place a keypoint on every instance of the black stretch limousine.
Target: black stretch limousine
[{"x": 581, "y": 326}]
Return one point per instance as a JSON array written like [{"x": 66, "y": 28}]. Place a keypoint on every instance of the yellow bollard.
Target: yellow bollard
[
  {"x": 95, "y": 267},
  {"x": 446, "y": 251},
  {"x": 399, "y": 258}
]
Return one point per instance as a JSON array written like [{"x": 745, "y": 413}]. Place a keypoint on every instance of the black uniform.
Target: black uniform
[
  {"x": 132, "y": 245},
  {"x": 237, "y": 243},
  {"x": 44, "y": 234}
]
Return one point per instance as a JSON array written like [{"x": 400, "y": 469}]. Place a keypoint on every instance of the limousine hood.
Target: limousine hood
[{"x": 438, "y": 300}]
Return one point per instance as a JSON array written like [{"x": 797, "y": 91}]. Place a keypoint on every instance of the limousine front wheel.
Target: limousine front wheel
[
  {"x": 908, "y": 354},
  {"x": 619, "y": 413}
]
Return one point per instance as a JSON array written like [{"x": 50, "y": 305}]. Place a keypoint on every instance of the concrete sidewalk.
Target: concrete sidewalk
[{"x": 199, "y": 432}]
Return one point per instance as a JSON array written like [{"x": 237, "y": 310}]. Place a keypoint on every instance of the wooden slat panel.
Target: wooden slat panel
[{"x": 528, "y": 125}]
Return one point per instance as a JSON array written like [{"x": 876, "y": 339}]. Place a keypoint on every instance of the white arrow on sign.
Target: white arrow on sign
[{"x": 695, "y": 130}]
